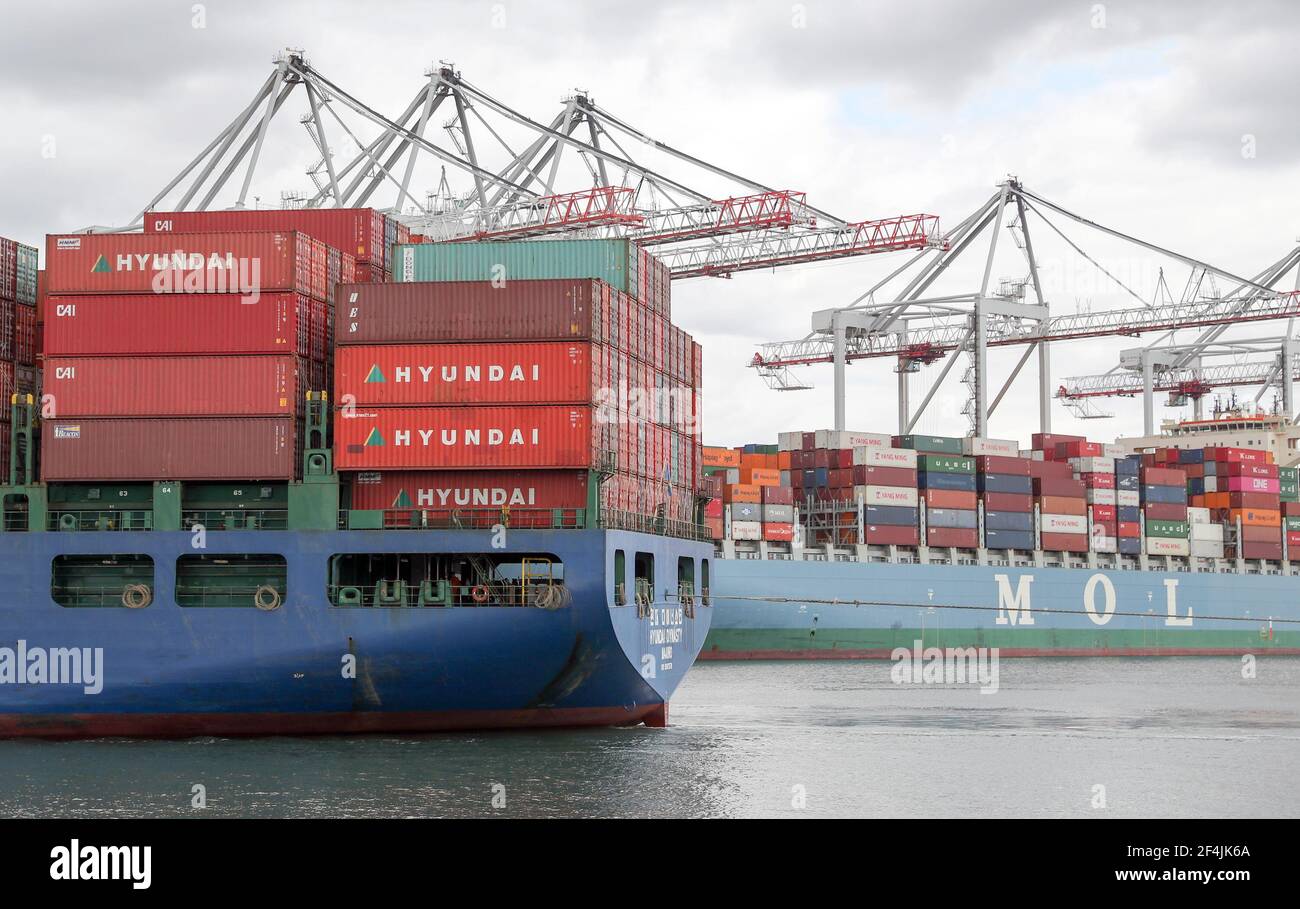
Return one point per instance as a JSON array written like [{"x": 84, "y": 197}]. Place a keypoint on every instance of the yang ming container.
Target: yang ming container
[
  {"x": 253, "y": 448},
  {"x": 421, "y": 438},
  {"x": 237, "y": 263},
  {"x": 542, "y": 373},
  {"x": 174, "y": 386},
  {"x": 467, "y": 311},
  {"x": 102, "y": 324}
]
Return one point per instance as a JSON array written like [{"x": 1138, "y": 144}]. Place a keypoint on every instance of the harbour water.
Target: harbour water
[{"x": 1163, "y": 737}]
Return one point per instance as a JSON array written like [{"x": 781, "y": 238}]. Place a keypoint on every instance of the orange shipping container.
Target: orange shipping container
[
  {"x": 1255, "y": 517},
  {"x": 742, "y": 493},
  {"x": 1062, "y": 505},
  {"x": 721, "y": 457},
  {"x": 783, "y": 460},
  {"x": 760, "y": 476}
]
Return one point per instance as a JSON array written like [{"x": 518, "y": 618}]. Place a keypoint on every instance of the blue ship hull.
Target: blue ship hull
[
  {"x": 784, "y": 609},
  {"x": 169, "y": 670}
]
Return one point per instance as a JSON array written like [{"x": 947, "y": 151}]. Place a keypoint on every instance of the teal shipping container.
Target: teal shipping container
[{"x": 616, "y": 261}]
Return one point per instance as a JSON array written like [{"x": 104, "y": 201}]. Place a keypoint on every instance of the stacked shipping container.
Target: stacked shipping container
[
  {"x": 153, "y": 343},
  {"x": 565, "y": 373},
  {"x": 18, "y": 296}
]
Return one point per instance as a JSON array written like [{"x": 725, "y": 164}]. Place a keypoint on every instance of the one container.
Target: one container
[
  {"x": 202, "y": 448},
  {"x": 453, "y": 489},
  {"x": 412, "y": 374},
  {"x": 246, "y": 264},
  {"x": 174, "y": 386},
  {"x": 102, "y": 324},
  {"x": 556, "y": 310}
]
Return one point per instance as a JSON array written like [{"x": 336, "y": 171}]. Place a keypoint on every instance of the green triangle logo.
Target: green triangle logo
[
  {"x": 101, "y": 264},
  {"x": 374, "y": 438},
  {"x": 403, "y": 500},
  {"x": 376, "y": 374}
]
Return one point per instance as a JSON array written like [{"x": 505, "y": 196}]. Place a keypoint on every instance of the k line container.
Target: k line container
[
  {"x": 253, "y": 448},
  {"x": 153, "y": 324},
  {"x": 246, "y": 264},
  {"x": 534, "y": 437},
  {"x": 174, "y": 386},
  {"x": 555, "y": 310},
  {"x": 413, "y": 374}
]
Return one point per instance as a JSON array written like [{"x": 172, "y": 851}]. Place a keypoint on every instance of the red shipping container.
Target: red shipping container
[
  {"x": 1291, "y": 509},
  {"x": 469, "y": 437},
  {"x": 1243, "y": 469},
  {"x": 174, "y": 386},
  {"x": 1102, "y": 513},
  {"x": 952, "y": 536},
  {"x": 1293, "y": 544},
  {"x": 1252, "y": 500},
  {"x": 1008, "y": 501},
  {"x": 463, "y": 311},
  {"x": 1163, "y": 476},
  {"x": 950, "y": 498},
  {"x": 1066, "y": 450},
  {"x": 103, "y": 324},
  {"x": 1164, "y": 512},
  {"x": 866, "y": 475},
  {"x": 778, "y": 532},
  {"x": 1045, "y": 441},
  {"x": 1056, "y": 470},
  {"x": 1253, "y": 533},
  {"x": 203, "y": 448},
  {"x": 356, "y": 231},
  {"x": 1255, "y": 551},
  {"x": 1129, "y": 529},
  {"x": 778, "y": 495},
  {"x": 1059, "y": 486},
  {"x": 443, "y": 489},
  {"x": 1246, "y": 455},
  {"x": 1005, "y": 466},
  {"x": 1065, "y": 542},
  {"x": 246, "y": 264},
  {"x": 889, "y": 535},
  {"x": 546, "y": 372},
  {"x": 1099, "y": 480}
]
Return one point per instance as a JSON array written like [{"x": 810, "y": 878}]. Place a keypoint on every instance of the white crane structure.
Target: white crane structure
[
  {"x": 917, "y": 329},
  {"x": 575, "y": 174}
]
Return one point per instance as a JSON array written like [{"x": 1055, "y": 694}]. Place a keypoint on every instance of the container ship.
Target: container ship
[
  {"x": 850, "y": 545},
  {"x": 297, "y": 472}
]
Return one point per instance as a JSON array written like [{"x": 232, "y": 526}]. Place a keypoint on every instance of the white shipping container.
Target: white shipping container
[
  {"x": 1206, "y": 533},
  {"x": 789, "y": 441},
  {"x": 973, "y": 446},
  {"x": 900, "y": 496},
  {"x": 884, "y": 457},
  {"x": 1104, "y": 544},
  {"x": 785, "y": 478},
  {"x": 746, "y": 530},
  {"x": 733, "y": 475},
  {"x": 1206, "y": 549},
  {"x": 1128, "y": 498},
  {"x": 1092, "y": 465},
  {"x": 1211, "y": 484},
  {"x": 1166, "y": 546},
  {"x": 1197, "y": 515},
  {"x": 1100, "y": 496},
  {"x": 829, "y": 438},
  {"x": 1064, "y": 523},
  {"x": 1031, "y": 454},
  {"x": 1112, "y": 451}
]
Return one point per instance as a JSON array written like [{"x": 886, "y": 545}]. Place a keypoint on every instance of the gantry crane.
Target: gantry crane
[
  {"x": 528, "y": 179},
  {"x": 919, "y": 330}
]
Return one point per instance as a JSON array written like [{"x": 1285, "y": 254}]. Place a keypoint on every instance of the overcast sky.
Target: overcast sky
[{"x": 1174, "y": 121}]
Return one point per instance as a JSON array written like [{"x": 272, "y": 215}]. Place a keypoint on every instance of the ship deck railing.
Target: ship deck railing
[
  {"x": 518, "y": 519},
  {"x": 500, "y": 593},
  {"x": 85, "y": 519},
  {"x": 236, "y": 518}
]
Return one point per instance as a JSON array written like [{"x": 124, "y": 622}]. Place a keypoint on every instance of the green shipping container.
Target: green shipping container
[
  {"x": 1171, "y": 529},
  {"x": 612, "y": 261},
  {"x": 937, "y": 444},
  {"x": 944, "y": 464},
  {"x": 1292, "y": 523}
]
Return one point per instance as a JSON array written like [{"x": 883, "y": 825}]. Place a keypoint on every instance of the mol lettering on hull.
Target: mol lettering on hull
[{"x": 814, "y": 610}]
